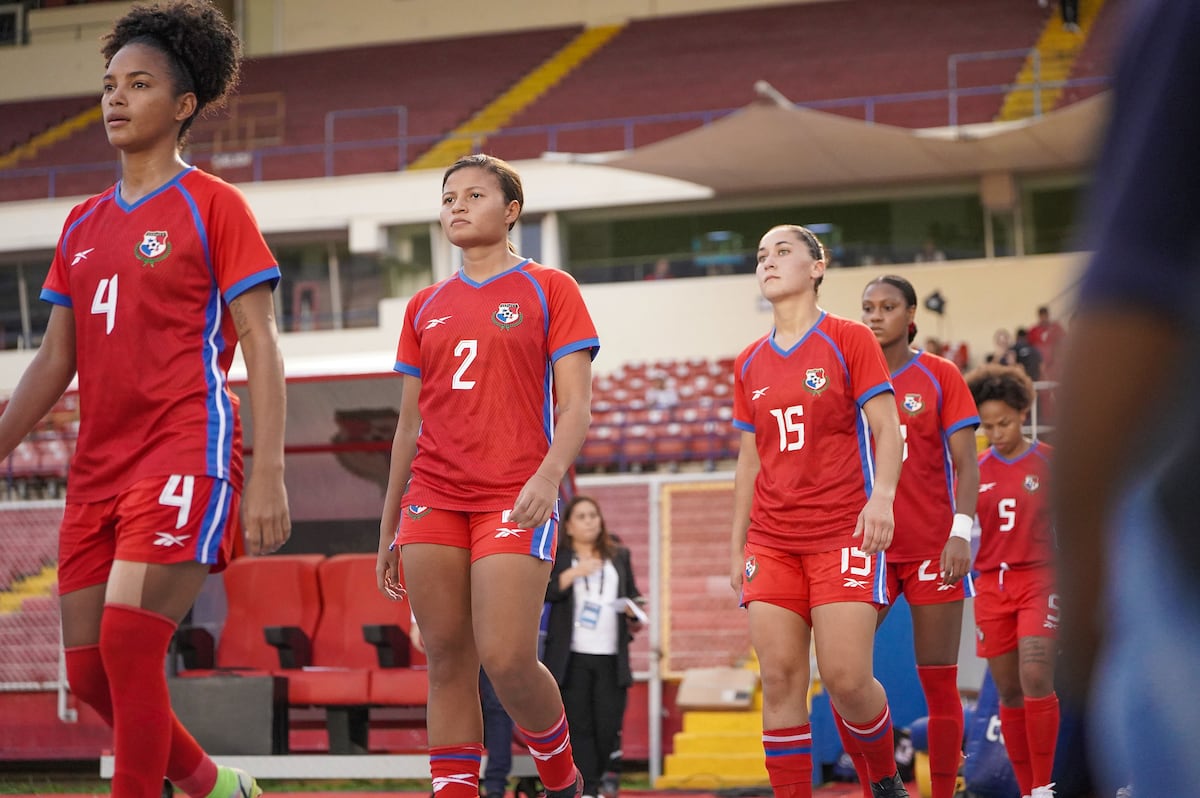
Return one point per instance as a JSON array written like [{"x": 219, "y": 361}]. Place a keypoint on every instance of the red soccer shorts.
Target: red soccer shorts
[
  {"x": 799, "y": 582},
  {"x": 164, "y": 520},
  {"x": 482, "y": 533},
  {"x": 921, "y": 583},
  {"x": 1011, "y": 604}
]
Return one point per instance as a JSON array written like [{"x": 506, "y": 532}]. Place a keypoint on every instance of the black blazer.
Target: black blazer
[{"x": 561, "y": 624}]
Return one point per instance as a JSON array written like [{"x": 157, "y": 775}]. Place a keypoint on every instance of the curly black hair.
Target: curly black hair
[
  {"x": 201, "y": 47},
  {"x": 1008, "y": 384}
]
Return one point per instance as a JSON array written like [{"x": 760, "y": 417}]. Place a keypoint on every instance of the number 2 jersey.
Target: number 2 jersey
[
  {"x": 485, "y": 353},
  {"x": 934, "y": 403},
  {"x": 149, "y": 285},
  {"x": 1014, "y": 510},
  {"x": 804, "y": 406}
]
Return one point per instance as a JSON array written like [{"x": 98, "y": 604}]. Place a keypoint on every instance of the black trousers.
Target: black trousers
[{"x": 595, "y": 706}]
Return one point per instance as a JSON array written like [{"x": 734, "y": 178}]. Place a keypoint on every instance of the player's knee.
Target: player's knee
[{"x": 85, "y": 674}]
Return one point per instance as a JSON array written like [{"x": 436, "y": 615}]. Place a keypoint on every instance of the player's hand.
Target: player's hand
[
  {"x": 265, "y": 514},
  {"x": 737, "y": 570},
  {"x": 875, "y": 526},
  {"x": 535, "y": 502},
  {"x": 956, "y": 560},
  {"x": 387, "y": 568}
]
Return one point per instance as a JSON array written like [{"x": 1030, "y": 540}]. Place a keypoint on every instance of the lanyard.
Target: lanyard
[{"x": 587, "y": 580}]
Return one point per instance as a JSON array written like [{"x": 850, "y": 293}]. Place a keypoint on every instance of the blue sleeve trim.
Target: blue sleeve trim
[
  {"x": 592, "y": 343},
  {"x": 743, "y": 426},
  {"x": 871, "y": 393},
  {"x": 55, "y": 298},
  {"x": 404, "y": 368},
  {"x": 271, "y": 274},
  {"x": 973, "y": 421}
]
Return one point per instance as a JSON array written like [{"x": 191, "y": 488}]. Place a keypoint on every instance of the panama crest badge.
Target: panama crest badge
[
  {"x": 1032, "y": 483},
  {"x": 815, "y": 380},
  {"x": 508, "y": 315},
  {"x": 751, "y": 568},
  {"x": 415, "y": 511},
  {"x": 913, "y": 403},
  {"x": 153, "y": 248}
]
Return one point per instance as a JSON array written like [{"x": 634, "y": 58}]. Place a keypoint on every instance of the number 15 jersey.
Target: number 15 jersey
[
  {"x": 485, "y": 355},
  {"x": 804, "y": 406}
]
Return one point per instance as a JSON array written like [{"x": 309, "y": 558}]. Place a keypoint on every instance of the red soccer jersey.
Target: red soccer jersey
[
  {"x": 934, "y": 403},
  {"x": 1014, "y": 510},
  {"x": 484, "y": 353},
  {"x": 150, "y": 286},
  {"x": 804, "y": 406}
]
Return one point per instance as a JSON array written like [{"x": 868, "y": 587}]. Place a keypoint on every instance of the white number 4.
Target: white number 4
[
  {"x": 178, "y": 493},
  {"x": 105, "y": 302}
]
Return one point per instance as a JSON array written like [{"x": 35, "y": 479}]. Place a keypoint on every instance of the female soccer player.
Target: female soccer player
[
  {"x": 930, "y": 556},
  {"x": 154, "y": 282},
  {"x": 495, "y": 405},
  {"x": 813, "y": 512},
  {"x": 1016, "y": 611}
]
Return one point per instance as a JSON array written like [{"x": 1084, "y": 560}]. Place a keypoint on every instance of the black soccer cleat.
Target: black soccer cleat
[{"x": 891, "y": 787}]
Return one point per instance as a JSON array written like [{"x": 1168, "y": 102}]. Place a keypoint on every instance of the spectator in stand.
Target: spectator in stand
[
  {"x": 1026, "y": 355},
  {"x": 661, "y": 395},
  {"x": 1002, "y": 351},
  {"x": 929, "y": 252},
  {"x": 662, "y": 270},
  {"x": 1046, "y": 335}
]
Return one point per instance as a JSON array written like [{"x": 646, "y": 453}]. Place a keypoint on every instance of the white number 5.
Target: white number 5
[
  {"x": 465, "y": 349},
  {"x": 105, "y": 302}
]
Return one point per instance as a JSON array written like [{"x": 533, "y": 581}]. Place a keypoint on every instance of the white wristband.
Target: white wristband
[{"x": 961, "y": 528}]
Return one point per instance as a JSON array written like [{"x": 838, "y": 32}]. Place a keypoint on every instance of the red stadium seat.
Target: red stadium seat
[
  {"x": 345, "y": 676},
  {"x": 261, "y": 592}
]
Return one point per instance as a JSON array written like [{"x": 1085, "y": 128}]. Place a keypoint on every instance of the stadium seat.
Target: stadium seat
[
  {"x": 261, "y": 592},
  {"x": 347, "y": 674}
]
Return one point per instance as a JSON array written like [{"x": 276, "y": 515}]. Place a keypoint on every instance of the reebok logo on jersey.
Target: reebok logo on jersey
[
  {"x": 167, "y": 540},
  {"x": 82, "y": 255},
  {"x": 852, "y": 582},
  {"x": 508, "y": 532},
  {"x": 758, "y": 392},
  {"x": 984, "y": 487},
  {"x": 436, "y": 322}
]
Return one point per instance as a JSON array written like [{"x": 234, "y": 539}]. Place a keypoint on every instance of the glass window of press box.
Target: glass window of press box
[{"x": 855, "y": 232}]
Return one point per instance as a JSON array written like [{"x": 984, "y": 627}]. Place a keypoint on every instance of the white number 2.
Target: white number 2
[
  {"x": 105, "y": 302},
  {"x": 1008, "y": 514},
  {"x": 178, "y": 493},
  {"x": 467, "y": 350}
]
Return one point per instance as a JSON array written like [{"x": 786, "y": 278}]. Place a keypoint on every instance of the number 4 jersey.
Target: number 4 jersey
[
  {"x": 804, "y": 406},
  {"x": 485, "y": 354},
  {"x": 149, "y": 285}
]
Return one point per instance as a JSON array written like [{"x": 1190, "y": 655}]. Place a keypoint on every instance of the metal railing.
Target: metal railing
[{"x": 403, "y": 144}]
